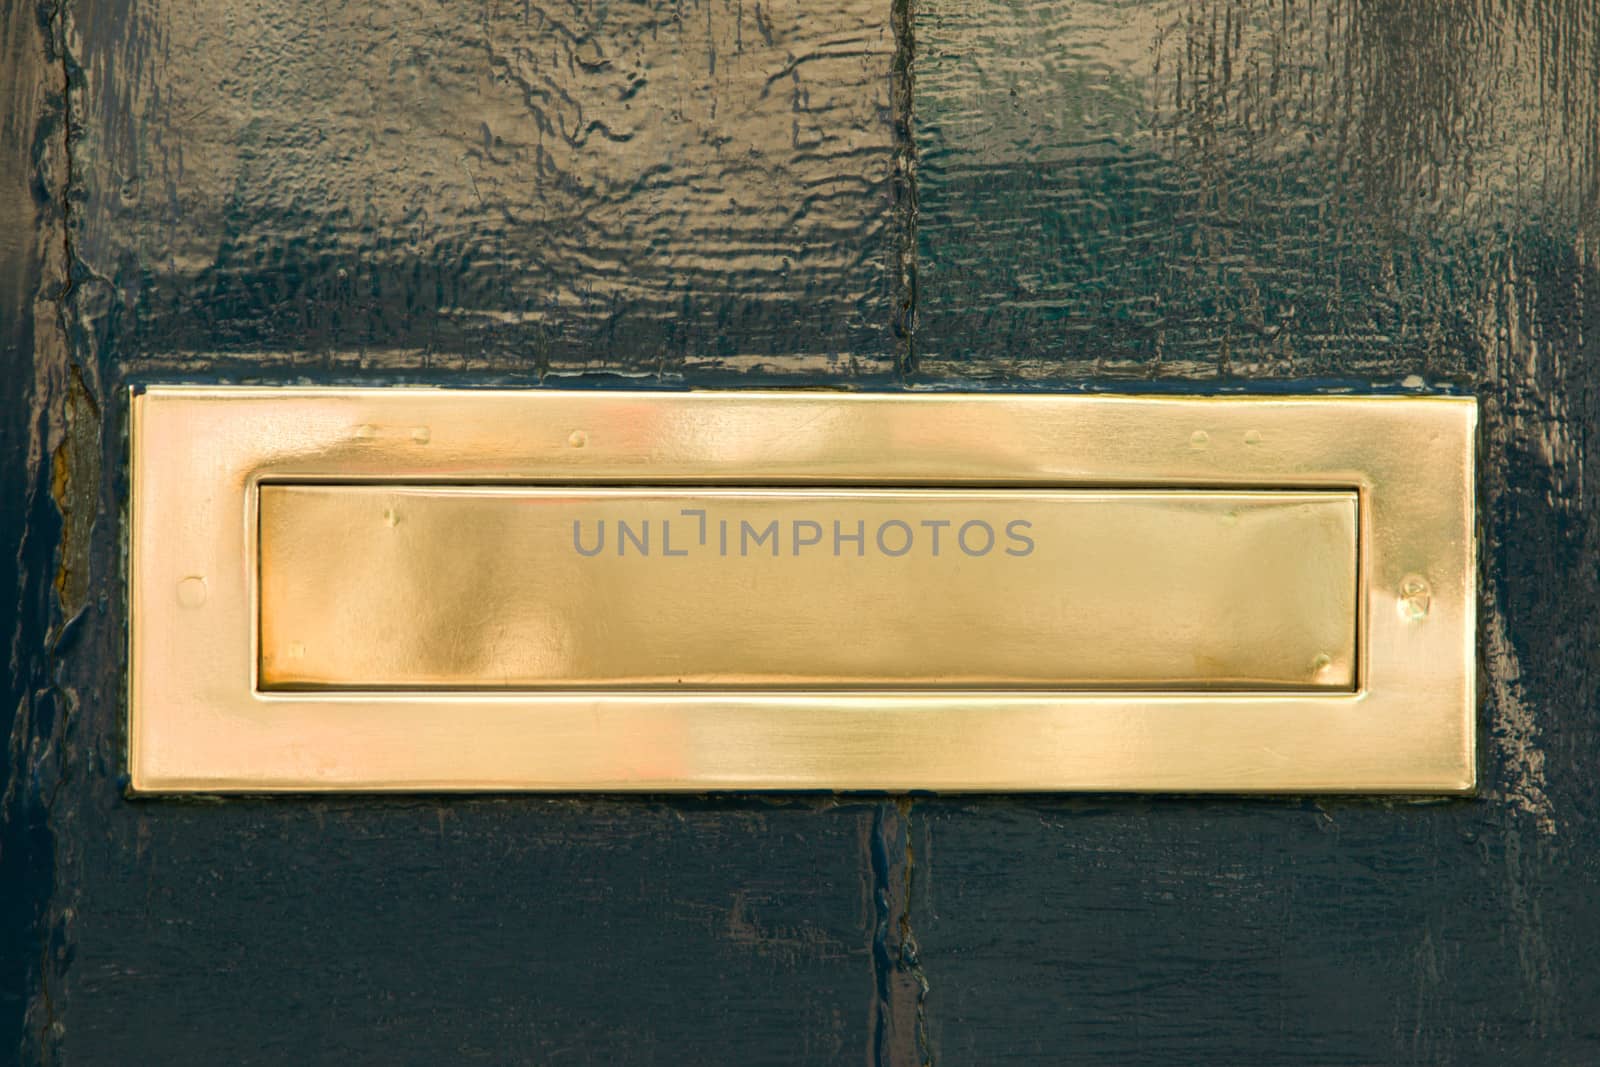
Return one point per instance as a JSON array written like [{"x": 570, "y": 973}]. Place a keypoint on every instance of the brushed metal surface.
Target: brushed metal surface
[
  {"x": 470, "y": 587},
  {"x": 201, "y": 720}
]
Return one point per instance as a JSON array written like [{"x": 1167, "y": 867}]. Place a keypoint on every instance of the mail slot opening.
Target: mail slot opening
[{"x": 473, "y": 587}]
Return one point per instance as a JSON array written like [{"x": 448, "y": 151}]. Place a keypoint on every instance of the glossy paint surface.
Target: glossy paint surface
[{"x": 1194, "y": 195}]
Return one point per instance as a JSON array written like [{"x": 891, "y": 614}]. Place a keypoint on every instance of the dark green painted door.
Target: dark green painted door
[{"x": 1170, "y": 195}]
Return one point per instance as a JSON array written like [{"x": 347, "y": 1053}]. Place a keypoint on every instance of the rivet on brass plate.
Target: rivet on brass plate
[{"x": 409, "y": 589}]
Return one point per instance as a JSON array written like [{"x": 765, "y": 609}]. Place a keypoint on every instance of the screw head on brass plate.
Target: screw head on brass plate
[{"x": 413, "y": 589}]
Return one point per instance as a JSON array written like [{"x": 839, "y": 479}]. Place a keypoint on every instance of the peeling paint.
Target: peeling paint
[
  {"x": 1513, "y": 727},
  {"x": 900, "y": 1020},
  {"x": 75, "y": 487}
]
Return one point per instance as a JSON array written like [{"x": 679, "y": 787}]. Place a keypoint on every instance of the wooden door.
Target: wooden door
[{"x": 1189, "y": 196}]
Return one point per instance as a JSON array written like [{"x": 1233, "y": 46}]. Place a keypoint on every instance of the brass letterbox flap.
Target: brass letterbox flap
[{"x": 413, "y": 589}]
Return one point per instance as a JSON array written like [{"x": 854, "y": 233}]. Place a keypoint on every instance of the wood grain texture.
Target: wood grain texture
[
  {"x": 1176, "y": 194},
  {"x": 524, "y": 188},
  {"x": 1212, "y": 188},
  {"x": 43, "y": 423},
  {"x": 524, "y": 931},
  {"x": 1199, "y": 195}
]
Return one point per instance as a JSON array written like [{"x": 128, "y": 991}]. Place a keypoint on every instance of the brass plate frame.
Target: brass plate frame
[{"x": 198, "y": 722}]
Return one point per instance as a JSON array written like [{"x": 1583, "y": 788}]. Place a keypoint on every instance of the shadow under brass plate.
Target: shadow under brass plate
[{"x": 410, "y": 589}]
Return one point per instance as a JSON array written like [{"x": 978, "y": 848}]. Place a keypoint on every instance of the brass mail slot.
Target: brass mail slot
[
  {"x": 426, "y": 589},
  {"x": 471, "y": 587}
]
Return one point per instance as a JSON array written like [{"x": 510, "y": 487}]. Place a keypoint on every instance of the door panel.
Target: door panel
[
  {"x": 1309, "y": 196},
  {"x": 1185, "y": 196}
]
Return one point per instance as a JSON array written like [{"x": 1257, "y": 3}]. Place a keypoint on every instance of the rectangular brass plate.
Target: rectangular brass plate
[{"x": 410, "y": 589}]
